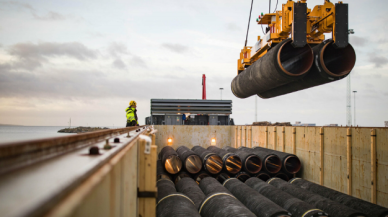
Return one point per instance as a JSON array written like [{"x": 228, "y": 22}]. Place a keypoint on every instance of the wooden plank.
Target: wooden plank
[
  {"x": 283, "y": 139},
  {"x": 373, "y": 167},
  {"x": 235, "y": 137},
  {"x": 322, "y": 155},
  {"x": 294, "y": 140},
  {"x": 382, "y": 166},
  {"x": 274, "y": 139},
  {"x": 266, "y": 137},
  {"x": 249, "y": 137},
  {"x": 349, "y": 159}
]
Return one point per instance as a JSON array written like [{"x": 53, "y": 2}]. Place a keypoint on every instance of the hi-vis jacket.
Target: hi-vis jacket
[{"x": 131, "y": 114}]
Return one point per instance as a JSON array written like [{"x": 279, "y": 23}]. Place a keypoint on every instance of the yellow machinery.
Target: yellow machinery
[{"x": 303, "y": 24}]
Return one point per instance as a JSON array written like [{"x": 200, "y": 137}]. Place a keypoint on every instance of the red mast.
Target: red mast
[{"x": 203, "y": 86}]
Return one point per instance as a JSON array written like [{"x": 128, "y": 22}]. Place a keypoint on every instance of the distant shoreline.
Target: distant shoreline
[{"x": 12, "y": 125}]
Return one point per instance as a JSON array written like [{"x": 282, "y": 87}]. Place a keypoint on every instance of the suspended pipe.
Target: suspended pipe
[
  {"x": 330, "y": 64},
  {"x": 361, "y": 205},
  {"x": 271, "y": 162},
  {"x": 161, "y": 172},
  {"x": 190, "y": 188},
  {"x": 295, "y": 206},
  {"x": 201, "y": 175},
  {"x": 219, "y": 202},
  {"x": 282, "y": 64},
  {"x": 334, "y": 209},
  {"x": 191, "y": 161},
  {"x": 232, "y": 162},
  {"x": 253, "y": 200},
  {"x": 170, "y": 160},
  {"x": 263, "y": 176},
  {"x": 212, "y": 163},
  {"x": 290, "y": 162},
  {"x": 251, "y": 163},
  {"x": 242, "y": 176}
]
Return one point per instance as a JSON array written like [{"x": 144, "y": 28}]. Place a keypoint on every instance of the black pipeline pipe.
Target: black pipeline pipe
[
  {"x": 253, "y": 200},
  {"x": 177, "y": 205},
  {"x": 251, "y": 163},
  {"x": 271, "y": 162},
  {"x": 190, "y": 188},
  {"x": 263, "y": 176},
  {"x": 333, "y": 208},
  {"x": 170, "y": 160},
  {"x": 361, "y": 205},
  {"x": 295, "y": 206},
  {"x": 242, "y": 176},
  {"x": 232, "y": 163},
  {"x": 223, "y": 205},
  {"x": 165, "y": 187},
  {"x": 161, "y": 172},
  {"x": 290, "y": 162},
  {"x": 179, "y": 176},
  {"x": 212, "y": 163},
  {"x": 201, "y": 175},
  {"x": 210, "y": 185},
  {"x": 222, "y": 177},
  {"x": 283, "y": 176},
  {"x": 282, "y": 64},
  {"x": 191, "y": 161},
  {"x": 330, "y": 65}
]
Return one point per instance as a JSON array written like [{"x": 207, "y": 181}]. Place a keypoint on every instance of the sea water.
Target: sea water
[{"x": 23, "y": 133}]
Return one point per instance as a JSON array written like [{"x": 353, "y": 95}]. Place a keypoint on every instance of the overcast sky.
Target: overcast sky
[{"x": 86, "y": 60}]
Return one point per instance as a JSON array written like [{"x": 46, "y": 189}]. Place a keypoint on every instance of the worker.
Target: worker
[{"x": 131, "y": 114}]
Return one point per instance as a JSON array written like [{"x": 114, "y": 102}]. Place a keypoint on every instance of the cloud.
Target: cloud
[
  {"x": 50, "y": 16},
  {"x": 177, "y": 48},
  {"x": 138, "y": 61},
  {"x": 119, "y": 64},
  {"x": 358, "y": 41},
  {"x": 233, "y": 27},
  {"x": 116, "y": 49},
  {"x": 379, "y": 61},
  {"x": 31, "y": 56}
]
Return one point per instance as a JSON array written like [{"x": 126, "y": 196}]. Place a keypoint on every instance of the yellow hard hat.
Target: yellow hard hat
[{"x": 132, "y": 103}]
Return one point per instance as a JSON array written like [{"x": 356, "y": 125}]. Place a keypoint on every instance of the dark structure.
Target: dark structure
[{"x": 196, "y": 111}]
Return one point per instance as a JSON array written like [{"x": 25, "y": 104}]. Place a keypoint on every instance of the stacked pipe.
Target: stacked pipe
[
  {"x": 170, "y": 203},
  {"x": 271, "y": 162},
  {"x": 281, "y": 65},
  {"x": 190, "y": 188},
  {"x": 182, "y": 174},
  {"x": 212, "y": 163},
  {"x": 296, "y": 207},
  {"x": 253, "y": 200},
  {"x": 232, "y": 162},
  {"x": 200, "y": 176},
  {"x": 191, "y": 161},
  {"x": 333, "y": 208},
  {"x": 363, "y": 206},
  {"x": 242, "y": 176},
  {"x": 161, "y": 172},
  {"x": 263, "y": 176},
  {"x": 170, "y": 160},
  {"x": 290, "y": 162},
  {"x": 219, "y": 202},
  {"x": 330, "y": 64},
  {"x": 251, "y": 163}
]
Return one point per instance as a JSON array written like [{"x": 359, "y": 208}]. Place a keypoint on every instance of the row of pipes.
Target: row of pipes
[
  {"x": 241, "y": 163},
  {"x": 184, "y": 189}
]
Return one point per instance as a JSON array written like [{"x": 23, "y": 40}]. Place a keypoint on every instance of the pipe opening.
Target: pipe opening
[
  {"x": 193, "y": 164},
  {"x": 243, "y": 177},
  {"x": 222, "y": 177},
  {"x": 201, "y": 176},
  {"x": 282, "y": 176},
  {"x": 273, "y": 164},
  {"x": 173, "y": 164},
  {"x": 233, "y": 164},
  {"x": 292, "y": 164},
  {"x": 180, "y": 176},
  {"x": 162, "y": 176},
  {"x": 295, "y": 61},
  {"x": 253, "y": 164},
  {"x": 214, "y": 164},
  {"x": 263, "y": 176},
  {"x": 337, "y": 62}
]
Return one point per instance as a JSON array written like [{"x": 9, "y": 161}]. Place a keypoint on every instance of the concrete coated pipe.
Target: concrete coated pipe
[
  {"x": 361, "y": 205},
  {"x": 271, "y": 162},
  {"x": 281, "y": 65},
  {"x": 330, "y": 65},
  {"x": 170, "y": 160},
  {"x": 290, "y": 162},
  {"x": 191, "y": 161},
  {"x": 334, "y": 209},
  {"x": 190, "y": 188},
  {"x": 251, "y": 163},
  {"x": 232, "y": 162},
  {"x": 212, "y": 163}
]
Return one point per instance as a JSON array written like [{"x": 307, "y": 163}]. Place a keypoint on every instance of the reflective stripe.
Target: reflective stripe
[
  {"x": 171, "y": 195},
  {"x": 268, "y": 181},
  {"x": 304, "y": 214},
  {"x": 227, "y": 181},
  {"x": 200, "y": 209}
]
